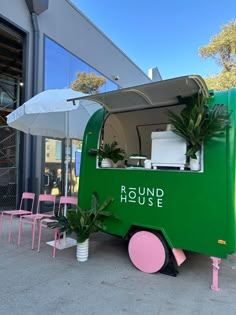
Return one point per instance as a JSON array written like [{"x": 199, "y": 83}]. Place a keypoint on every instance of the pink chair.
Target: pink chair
[
  {"x": 9, "y": 214},
  {"x": 65, "y": 201},
  {"x": 34, "y": 219}
]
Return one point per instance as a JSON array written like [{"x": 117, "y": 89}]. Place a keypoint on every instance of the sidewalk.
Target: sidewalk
[{"x": 107, "y": 284}]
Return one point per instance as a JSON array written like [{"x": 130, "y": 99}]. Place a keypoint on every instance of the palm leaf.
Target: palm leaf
[
  {"x": 198, "y": 121},
  {"x": 83, "y": 222}
]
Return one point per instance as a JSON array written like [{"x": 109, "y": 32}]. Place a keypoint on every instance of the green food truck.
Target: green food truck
[{"x": 165, "y": 204}]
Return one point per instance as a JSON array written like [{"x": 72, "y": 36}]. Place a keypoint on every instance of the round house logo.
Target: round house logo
[{"x": 143, "y": 196}]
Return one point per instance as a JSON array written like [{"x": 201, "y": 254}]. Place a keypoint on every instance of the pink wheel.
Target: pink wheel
[{"x": 147, "y": 252}]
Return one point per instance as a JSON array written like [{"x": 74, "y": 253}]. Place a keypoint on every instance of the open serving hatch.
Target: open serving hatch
[{"x": 133, "y": 113}]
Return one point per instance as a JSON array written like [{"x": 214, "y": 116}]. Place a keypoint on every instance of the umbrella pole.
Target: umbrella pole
[
  {"x": 66, "y": 169},
  {"x": 66, "y": 165},
  {"x": 67, "y": 241},
  {"x": 66, "y": 180}
]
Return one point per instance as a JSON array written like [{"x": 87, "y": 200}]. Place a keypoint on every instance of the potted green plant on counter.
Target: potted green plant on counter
[
  {"x": 83, "y": 222},
  {"x": 196, "y": 123},
  {"x": 110, "y": 154}
]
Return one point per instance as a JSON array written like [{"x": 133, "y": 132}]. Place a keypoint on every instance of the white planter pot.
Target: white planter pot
[
  {"x": 195, "y": 164},
  {"x": 106, "y": 163},
  {"x": 82, "y": 251}
]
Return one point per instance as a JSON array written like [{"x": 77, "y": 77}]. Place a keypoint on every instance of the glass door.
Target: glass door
[{"x": 55, "y": 167}]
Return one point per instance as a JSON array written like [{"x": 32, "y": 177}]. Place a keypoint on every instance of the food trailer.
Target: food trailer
[{"x": 164, "y": 206}]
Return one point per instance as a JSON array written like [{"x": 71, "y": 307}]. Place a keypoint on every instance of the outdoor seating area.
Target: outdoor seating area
[{"x": 25, "y": 215}]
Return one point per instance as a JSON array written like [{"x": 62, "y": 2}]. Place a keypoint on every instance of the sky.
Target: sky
[{"x": 162, "y": 33}]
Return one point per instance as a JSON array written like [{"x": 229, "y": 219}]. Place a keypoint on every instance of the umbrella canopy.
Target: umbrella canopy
[{"x": 49, "y": 114}]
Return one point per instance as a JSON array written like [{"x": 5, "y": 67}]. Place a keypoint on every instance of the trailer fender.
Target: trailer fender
[{"x": 179, "y": 255}]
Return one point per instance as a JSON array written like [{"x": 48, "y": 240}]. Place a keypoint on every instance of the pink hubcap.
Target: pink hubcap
[{"x": 146, "y": 252}]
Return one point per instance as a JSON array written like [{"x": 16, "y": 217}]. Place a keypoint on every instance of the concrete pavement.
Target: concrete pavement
[{"x": 107, "y": 284}]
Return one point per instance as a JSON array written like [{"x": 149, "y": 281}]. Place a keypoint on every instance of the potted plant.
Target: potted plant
[
  {"x": 110, "y": 153},
  {"x": 83, "y": 222},
  {"x": 196, "y": 123}
]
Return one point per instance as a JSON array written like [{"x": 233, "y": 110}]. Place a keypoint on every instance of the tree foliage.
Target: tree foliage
[
  {"x": 88, "y": 83},
  {"x": 223, "y": 81},
  {"x": 222, "y": 49}
]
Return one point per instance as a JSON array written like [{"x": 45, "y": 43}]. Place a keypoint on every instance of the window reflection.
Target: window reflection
[
  {"x": 60, "y": 70},
  {"x": 53, "y": 180}
]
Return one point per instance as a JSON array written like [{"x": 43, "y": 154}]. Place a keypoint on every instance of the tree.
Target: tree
[
  {"x": 222, "y": 49},
  {"x": 224, "y": 81},
  {"x": 88, "y": 83}
]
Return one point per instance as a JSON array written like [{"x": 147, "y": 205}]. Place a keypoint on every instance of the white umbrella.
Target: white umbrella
[{"x": 49, "y": 114}]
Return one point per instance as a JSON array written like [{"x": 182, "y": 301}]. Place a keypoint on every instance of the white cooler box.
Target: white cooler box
[{"x": 168, "y": 149}]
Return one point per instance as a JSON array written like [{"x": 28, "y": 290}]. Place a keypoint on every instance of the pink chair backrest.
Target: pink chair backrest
[
  {"x": 27, "y": 196},
  {"x": 46, "y": 198},
  {"x": 67, "y": 200}
]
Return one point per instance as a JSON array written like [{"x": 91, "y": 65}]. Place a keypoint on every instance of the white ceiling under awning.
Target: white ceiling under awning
[{"x": 151, "y": 95}]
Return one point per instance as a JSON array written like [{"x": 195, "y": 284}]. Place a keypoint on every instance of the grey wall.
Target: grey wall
[
  {"x": 71, "y": 29},
  {"x": 66, "y": 25}
]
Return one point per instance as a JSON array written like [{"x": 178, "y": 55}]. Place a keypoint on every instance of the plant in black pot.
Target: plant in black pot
[
  {"x": 197, "y": 122},
  {"x": 110, "y": 154},
  {"x": 83, "y": 222}
]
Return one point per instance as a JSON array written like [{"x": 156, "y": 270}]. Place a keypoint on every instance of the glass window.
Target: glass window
[
  {"x": 58, "y": 150},
  {"x": 61, "y": 68},
  {"x": 56, "y": 66},
  {"x": 52, "y": 183}
]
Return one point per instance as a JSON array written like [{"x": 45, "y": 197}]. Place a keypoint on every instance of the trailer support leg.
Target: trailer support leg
[{"x": 215, "y": 263}]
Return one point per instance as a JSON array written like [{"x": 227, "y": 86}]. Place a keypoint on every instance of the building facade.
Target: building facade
[{"x": 43, "y": 45}]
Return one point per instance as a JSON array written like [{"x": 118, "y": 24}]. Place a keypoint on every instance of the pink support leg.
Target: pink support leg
[{"x": 215, "y": 263}]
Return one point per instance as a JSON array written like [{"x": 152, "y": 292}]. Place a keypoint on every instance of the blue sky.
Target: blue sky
[{"x": 162, "y": 33}]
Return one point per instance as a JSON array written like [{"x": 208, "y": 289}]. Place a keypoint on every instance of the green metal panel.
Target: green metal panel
[
  {"x": 194, "y": 210},
  {"x": 231, "y": 170}
]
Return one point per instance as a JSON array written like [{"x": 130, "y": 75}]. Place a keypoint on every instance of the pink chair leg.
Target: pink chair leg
[
  {"x": 33, "y": 233},
  {"x": 39, "y": 240},
  {"x": 55, "y": 239},
  {"x": 1, "y": 225},
  {"x": 55, "y": 242},
  {"x": 10, "y": 230},
  {"x": 20, "y": 231},
  {"x": 215, "y": 263}
]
